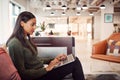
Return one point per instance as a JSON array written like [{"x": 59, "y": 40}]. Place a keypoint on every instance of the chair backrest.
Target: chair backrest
[
  {"x": 56, "y": 44},
  {"x": 115, "y": 36},
  {"x": 7, "y": 68}
]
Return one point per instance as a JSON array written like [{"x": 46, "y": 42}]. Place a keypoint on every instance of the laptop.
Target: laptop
[{"x": 70, "y": 58}]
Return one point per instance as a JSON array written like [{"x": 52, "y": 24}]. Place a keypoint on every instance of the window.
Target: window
[{"x": 14, "y": 10}]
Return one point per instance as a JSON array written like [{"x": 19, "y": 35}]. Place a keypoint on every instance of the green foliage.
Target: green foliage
[{"x": 43, "y": 26}]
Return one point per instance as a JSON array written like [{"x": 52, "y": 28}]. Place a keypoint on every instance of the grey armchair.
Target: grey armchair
[{"x": 52, "y": 46}]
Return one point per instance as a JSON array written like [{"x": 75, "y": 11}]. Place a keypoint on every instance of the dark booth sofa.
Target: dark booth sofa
[
  {"x": 52, "y": 46},
  {"x": 49, "y": 44}
]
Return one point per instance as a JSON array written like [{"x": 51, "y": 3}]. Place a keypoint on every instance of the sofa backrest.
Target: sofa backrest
[
  {"x": 7, "y": 68},
  {"x": 115, "y": 36},
  {"x": 52, "y": 46}
]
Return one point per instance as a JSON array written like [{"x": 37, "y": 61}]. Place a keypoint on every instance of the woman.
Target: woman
[{"x": 24, "y": 54}]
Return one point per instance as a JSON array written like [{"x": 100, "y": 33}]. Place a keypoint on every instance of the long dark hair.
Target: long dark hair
[{"x": 18, "y": 31}]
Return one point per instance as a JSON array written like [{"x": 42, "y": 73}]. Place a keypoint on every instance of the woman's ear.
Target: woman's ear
[{"x": 22, "y": 23}]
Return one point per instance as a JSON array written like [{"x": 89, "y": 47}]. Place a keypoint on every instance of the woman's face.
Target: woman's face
[{"x": 29, "y": 26}]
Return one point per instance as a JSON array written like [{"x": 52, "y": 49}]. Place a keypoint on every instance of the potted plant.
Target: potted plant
[
  {"x": 41, "y": 29},
  {"x": 43, "y": 26}
]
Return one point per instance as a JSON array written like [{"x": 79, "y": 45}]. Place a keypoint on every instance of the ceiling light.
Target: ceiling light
[
  {"x": 48, "y": 7},
  {"x": 91, "y": 14},
  {"x": 85, "y": 7},
  {"x": 102, "y": 7},
  {"x": 63, "y": 13},
  {"x": 78, "y": 8},
  {"x": 64, "y": 7},
  {"x": 52, "y": 14},
  {"x": 78, "y": 13}
]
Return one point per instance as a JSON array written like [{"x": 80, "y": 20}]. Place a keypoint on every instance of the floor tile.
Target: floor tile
[{"x": 83, "y": 50}]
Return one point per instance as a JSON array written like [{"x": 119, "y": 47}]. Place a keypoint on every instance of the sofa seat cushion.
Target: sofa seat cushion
[
  {"x": 7, "y": 69},
  {"x": 107, "y": 57}
]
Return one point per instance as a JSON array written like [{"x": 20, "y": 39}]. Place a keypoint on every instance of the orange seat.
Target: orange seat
[{"x": 99, "y": 49}]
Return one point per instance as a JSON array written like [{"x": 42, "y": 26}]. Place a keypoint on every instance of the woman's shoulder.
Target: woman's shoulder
[{"x": 14, "y": 41}]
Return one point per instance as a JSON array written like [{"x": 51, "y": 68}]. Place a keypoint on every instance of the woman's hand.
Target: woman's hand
[
  {"x": 56, "y": 61},
  {"x": 61, "y": 57},
  {"x": 52, "y": 64}
]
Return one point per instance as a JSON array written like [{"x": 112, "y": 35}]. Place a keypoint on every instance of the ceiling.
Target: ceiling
[
  {"x": 93, "y": 5},
  {"x": 71, "y": 4}
]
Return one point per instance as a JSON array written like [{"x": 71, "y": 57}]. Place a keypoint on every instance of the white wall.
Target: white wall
[
  {"x": 106, "y": 28},
  {"x": 0, "y": 21},
  {"x": 97, "y": 27},
  {"x": 103, "y": 30},
  {"x": 5, "y": 30},
  {"x": 4, "y": 21}
]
